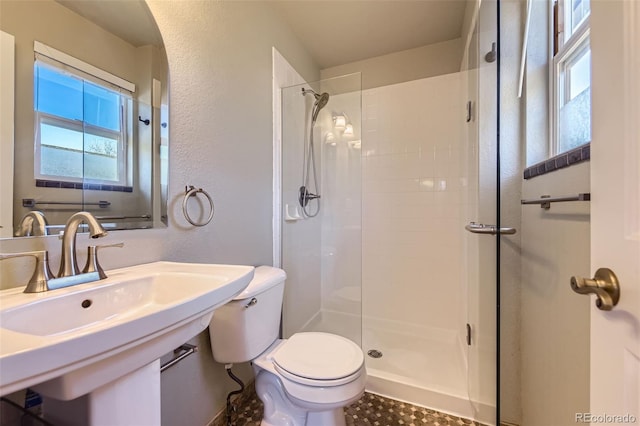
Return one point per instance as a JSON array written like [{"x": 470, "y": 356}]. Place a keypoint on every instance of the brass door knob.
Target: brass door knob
[{"x": 604, "y": 285}]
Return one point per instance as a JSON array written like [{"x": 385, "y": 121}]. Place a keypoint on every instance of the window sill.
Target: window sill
[
  {"x": 560, "y": 161},
  {"x": 82, "y": 185}
]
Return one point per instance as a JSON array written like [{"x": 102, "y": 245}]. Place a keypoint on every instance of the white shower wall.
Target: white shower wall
[
  {"x": 342, "y": 214},
  {"x": 413, "y": 163},
  {"x": 414, "y": 188}
]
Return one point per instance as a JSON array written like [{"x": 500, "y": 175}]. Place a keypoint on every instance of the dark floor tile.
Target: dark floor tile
[{"x": 370, "y": 410}]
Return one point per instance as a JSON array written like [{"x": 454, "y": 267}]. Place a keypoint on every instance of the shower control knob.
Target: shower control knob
[{"x": 304, "y": 196}]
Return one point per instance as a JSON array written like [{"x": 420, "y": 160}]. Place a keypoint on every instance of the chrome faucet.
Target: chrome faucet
[
  {"x": 69, "y": 274},
  {"x": 26, "y": 227},
  {"x": 68, "y": 261}
]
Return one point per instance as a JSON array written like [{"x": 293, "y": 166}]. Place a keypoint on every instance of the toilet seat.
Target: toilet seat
[
  {"x": 318, "y": 359},
  {"x": 308, "y": 392}
]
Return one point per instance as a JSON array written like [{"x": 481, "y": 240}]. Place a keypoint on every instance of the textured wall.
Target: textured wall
[
  {"x": 511, "y": 157},
  {"x": 220, "y": 63},
  {"x": 412, "y": 64}
]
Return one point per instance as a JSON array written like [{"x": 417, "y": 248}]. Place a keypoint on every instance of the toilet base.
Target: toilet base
[
  {"x": 325, "y": 418},
  {"x": 280, "y": 409},
  {"x": 333, "y": 417}
]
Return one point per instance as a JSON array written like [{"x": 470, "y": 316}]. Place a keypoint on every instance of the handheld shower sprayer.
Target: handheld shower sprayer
[
  {"x": 308, "y": 190},
  {"x": 321, "y": 101}
]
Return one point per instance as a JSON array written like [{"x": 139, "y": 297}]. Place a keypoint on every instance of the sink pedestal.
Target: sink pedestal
[{"x": 131, "y": 400}]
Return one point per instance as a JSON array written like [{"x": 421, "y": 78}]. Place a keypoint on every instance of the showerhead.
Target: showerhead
[
  {"x": 321, "y": 101},
  {"x": 321, "y": 98}
]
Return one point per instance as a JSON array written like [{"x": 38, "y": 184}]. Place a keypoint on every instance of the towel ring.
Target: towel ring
[{"x": 192, "y": 191}]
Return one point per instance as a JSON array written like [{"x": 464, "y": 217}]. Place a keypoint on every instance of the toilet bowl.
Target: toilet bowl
[{"x": 304, "y": 380}]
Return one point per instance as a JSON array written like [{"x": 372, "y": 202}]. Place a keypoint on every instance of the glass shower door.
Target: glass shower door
[
  {"x": 322, "y": 242},
  {"x": 481, "y": 208}
]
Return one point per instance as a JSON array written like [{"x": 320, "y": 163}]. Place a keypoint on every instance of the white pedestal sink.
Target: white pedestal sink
[
  {"x": 97, "y": 345},
  {"x": 133, "y": 399}
]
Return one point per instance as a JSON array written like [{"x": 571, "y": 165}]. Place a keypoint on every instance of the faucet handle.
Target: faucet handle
[
  {"x": 93, "y": 265},
  {"x": 39, "y": 281}
]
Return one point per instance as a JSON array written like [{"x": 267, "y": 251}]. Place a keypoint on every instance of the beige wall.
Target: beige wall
[
  {"x": 555, "y": 320},
  {"x": 413, "y": 64},
  {"x": 221, "y": 140},
  {"x": 511, "y": 157}
]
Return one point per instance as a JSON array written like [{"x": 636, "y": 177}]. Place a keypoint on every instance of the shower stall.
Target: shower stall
[{"x": 379, "y": 253}]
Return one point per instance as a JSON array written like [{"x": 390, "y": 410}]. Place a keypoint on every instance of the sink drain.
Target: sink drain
[{"x": 374, "y": 353}]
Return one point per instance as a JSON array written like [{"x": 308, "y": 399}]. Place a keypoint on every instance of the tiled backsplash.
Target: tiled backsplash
[
  {"x": 575, "y": 156},
  {"x": 42, "y": 183}
]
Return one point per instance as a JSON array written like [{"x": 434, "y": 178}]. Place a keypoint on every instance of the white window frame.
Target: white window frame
[
  {"x": 568, "y": 49},
  {"x": 80, "y": 65}
]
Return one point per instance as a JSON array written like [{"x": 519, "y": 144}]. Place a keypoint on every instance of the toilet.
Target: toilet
[{"x": 304, "y": 380}]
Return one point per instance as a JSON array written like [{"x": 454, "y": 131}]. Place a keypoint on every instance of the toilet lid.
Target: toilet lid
[{"x": 319, "y": 356}]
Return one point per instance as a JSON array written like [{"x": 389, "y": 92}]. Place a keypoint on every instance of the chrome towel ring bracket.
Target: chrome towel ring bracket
[{"x": 192, "y": 191}]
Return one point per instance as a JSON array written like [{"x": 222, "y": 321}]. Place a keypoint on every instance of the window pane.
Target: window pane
[
  {"x": 51, "y": 86},
  {"x": 60, "y": 151},
  {"x": 101, "y": 107},
  {"x": 574, "y": 99},
  {"x": 575, "y": 122},
  {"x": 100, "y": 158},
  {"x": 60, "y": 137},
  {"x": 578, "y": 74},
  {"x": 579, "y": 10},
  {"x": 72, "y": 154}
]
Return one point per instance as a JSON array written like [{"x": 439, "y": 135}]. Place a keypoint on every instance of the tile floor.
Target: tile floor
[{"x": 370, "y": 410}]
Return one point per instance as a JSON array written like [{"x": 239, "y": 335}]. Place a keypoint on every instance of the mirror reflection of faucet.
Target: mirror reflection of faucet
[
  {"x": 69, "y": 274},
  {"x": 32, "y": 224}
]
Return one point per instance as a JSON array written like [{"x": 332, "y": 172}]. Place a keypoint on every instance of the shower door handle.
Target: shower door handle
[{"x": 479, "y": 228}]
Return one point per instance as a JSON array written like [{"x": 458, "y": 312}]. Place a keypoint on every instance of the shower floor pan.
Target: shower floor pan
[{"x": 426, "y": 369}]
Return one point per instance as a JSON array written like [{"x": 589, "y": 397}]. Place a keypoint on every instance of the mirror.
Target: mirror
[{"x": 90, "y": 115}]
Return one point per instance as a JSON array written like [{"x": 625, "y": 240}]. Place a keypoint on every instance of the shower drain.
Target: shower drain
[{"x": 374, "y": 353}]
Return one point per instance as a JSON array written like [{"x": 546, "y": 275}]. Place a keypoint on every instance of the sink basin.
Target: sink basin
[{"x": 73, "y": 340}]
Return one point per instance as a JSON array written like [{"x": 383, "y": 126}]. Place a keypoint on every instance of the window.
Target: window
[
  {"x": 571, "y": 75},
  {"x": 82, "y": 125}
]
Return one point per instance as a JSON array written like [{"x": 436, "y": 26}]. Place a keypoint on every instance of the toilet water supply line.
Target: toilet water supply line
[{"x": 231, "y": 408}]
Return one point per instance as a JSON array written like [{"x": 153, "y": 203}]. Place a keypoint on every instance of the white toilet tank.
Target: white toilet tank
[{"x": 246, "y": 326}]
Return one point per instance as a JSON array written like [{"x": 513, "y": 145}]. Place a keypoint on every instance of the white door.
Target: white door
[{"x": 615, "y": 208}]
